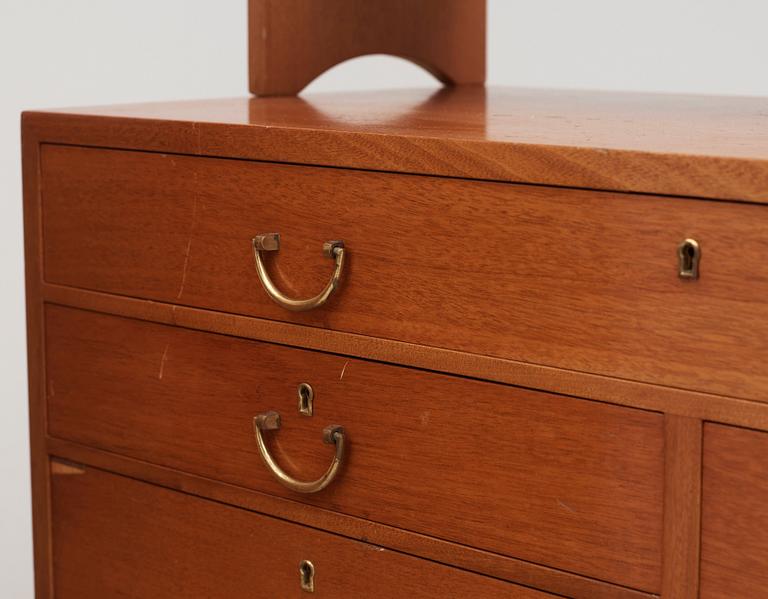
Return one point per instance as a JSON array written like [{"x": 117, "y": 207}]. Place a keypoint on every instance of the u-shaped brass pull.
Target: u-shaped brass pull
[
  {"x": 270, "y": 242},
  {"x": 270, "y": 421}
]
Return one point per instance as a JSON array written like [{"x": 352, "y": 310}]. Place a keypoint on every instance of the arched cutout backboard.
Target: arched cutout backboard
[{"x": 294, "y": 41}]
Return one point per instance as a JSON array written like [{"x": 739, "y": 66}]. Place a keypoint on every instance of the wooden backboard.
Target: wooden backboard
[{"x": 294, "y": 41}]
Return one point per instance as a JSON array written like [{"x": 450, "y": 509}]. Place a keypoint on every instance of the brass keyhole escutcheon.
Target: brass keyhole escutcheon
[
  {"x": 306, "y": 399},
  {"x": 689, "y": 256},
  {"x": 307, "y": 576}
]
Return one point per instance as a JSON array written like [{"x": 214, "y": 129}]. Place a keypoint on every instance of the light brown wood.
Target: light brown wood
[
  {"x": 715, "y": 147},
  {"x": 682, "y": 507},
  {"x": 671, "y": 400},
  {"x": 59, "y": 468},
  {"x": 708, "y": 335},
  {"x": 586, "y": 472},
  {"x": 291, "y": 42},
  {"x": 734, "y": 550},
  {"x": 453, "y": 554},
  {"x": 572, "y": 279},
  {"x": 114, "y": 536}
]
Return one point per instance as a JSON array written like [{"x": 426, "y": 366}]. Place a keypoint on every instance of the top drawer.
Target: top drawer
[{"x": 576, "y": 279}]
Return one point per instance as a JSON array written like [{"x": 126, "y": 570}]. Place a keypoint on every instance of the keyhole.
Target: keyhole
[
  {"x": 306, "y": 397},
  {"x": 689, "y": 255},
  {"x": 307, "y": 576}
]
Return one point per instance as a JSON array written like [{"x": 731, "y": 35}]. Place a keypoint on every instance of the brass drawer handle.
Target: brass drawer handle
[
  {"x": 270, "y": 421},
  {"x": 270, "y": 242}
]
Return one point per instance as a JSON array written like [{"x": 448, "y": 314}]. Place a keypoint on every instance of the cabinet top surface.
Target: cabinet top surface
[{"x": 653, "y": 143}]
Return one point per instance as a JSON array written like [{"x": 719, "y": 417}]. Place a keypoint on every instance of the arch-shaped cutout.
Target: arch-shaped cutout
[
  {"x": 370, "y": 70},
  {"x": 292, "y": 42}
]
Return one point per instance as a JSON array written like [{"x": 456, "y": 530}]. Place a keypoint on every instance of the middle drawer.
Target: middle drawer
[{"x": 568, "y": 483}]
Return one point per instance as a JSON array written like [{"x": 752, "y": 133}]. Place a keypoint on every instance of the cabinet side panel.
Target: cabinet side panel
[{"x": 35, "y": 334}]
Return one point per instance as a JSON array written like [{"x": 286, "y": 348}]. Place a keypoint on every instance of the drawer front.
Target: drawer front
[
  {"x": 569, "y": 483},
  {"x": 117, "y": 537},
  {"x": 734, "y": 543},
  {"x": 576, "y": 279}
]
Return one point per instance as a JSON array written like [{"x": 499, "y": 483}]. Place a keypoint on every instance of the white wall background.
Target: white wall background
[{"x": 87, "y": 52}]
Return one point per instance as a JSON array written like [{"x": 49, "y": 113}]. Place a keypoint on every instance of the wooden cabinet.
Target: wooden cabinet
[{"x": 536, "y": 368}]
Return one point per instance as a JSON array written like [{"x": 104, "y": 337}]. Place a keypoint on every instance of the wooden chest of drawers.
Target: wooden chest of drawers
[{"x": 537, "y": 368}]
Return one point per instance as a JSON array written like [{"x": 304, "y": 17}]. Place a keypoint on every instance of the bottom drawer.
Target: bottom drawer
[{"x": 114, "y": 536}]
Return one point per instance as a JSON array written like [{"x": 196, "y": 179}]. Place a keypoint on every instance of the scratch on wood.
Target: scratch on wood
[
  {"x": 162, "y": 362},
  {"x": 373, "y": 547},
  {"x": 343, "y": 370},
  {"x": 566, "y": 507},
  {"x": 189, "y": 242},
  {"x": 184, "y": 272}
]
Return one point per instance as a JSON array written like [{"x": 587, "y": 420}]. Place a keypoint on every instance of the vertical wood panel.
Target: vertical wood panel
[
  {"x": 682, "y": 507},
  {"x": 734, "y": 549},
  {"x": 35, "y": 361},
  {"x": 293, "y": 41}
]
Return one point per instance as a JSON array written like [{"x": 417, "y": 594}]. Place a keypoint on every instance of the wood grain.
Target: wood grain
[
  {"x": 707, "y": 335},
  {"x": 705, "y": 146},
  {"x": 114, "y": 536},
  {"x": 579, "y": 280},
  {"x": 452, "y": 554},
  {"x": 734, "y": 550},
  {"x": 39, "y": 464},
  {"x": 680, "y": 402},
  {"x": 291, "y": 42},
  {"x": 579, "y": 488},
  {"x": 682, "y": 507}
]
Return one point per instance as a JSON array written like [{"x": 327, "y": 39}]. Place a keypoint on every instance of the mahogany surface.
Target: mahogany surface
[
  {"x": 579, "y": 486},
  {"x": 734, "y": 550},
  {"x": 566, "y": 278},
  {"x": 39, "y": 458},
  {"x": 682, "y": 507},
  {"x": 467, "y": 558},
  {"x": 293, "y": 41},
  {"x": 153, "y": 240},
  {"x": 703, "y": 146},
  {"x": 117, "y": 537}
]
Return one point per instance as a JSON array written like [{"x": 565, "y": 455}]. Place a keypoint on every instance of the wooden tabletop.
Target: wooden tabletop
[{"x": 704, "y": 146}]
